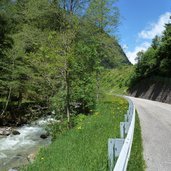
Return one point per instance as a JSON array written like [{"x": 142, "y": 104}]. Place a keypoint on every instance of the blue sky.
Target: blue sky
[{"x": 141, "y": 20}]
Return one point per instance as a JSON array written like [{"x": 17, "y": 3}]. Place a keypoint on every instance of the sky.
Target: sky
[{"x": 141, "y": 20}]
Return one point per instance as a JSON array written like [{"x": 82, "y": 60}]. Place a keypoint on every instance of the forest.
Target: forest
[{"x": 53, "y": 55}]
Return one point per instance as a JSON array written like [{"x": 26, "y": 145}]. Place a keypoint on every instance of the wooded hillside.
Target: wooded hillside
[
  {"x": 52, "y": 54},
  {"x": 156, "y": 61}
]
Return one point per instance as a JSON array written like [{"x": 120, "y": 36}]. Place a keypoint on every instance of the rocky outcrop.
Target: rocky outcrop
[
  {"x": 5, "y": 131},
  {"x": 154, "y": 88}
]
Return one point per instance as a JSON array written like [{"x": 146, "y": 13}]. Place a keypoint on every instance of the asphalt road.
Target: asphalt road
[{"x": 155, "y": 119}]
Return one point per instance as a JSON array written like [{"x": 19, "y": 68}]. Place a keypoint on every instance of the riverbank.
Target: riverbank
[{"x": 27, "y": 112}]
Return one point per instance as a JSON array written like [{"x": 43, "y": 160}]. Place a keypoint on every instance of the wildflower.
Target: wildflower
[
  {"x": 79, "y": 127},
  {"x": 97, "y": 113},
  {"x": 42, "y": 158}
]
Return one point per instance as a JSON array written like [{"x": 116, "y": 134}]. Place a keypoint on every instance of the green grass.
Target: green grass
[
  {"x": 84, "y": 148},
  {"x": 136, "y": 161}
]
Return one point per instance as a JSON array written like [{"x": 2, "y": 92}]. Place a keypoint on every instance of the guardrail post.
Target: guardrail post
[
  {"x": 126, "y": 117},
  {"x": 127, "y": 124},
  {"x": 111, "y": 153},
  {"x": 122, "y": 129},
  {"x": 114, "y": 149},
  {"x": 118, "y": 143},
  {"x": 128, "y": 112},
  {"x": 129, "y": 118}
]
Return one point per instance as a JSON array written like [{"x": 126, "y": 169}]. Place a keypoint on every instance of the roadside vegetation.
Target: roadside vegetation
[
  {"x": 85, "y": 146},
  {"x": 136, "y": 161},
  {"x": 156, "y": 60}
]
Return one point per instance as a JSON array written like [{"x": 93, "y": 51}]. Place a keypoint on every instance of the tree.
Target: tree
[
  {"x": 156, "y": 42},
  {"x": 139, "y": 56},
  {"x": 73, "y": 6},
  {"x": 103, "y": 14},
  {"x": 5, "y": 62},
  {"x": 164, "y": 52}
]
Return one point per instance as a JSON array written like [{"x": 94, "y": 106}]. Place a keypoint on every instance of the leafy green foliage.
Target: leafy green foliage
[
  {"x": 103, "y": 13},
  {"x": 156, "y": 60}
]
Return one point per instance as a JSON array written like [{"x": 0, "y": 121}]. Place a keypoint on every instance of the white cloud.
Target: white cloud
[
  {"x": 125, "y": 47},
  {"x": 155, "y": 28},
  {"x": 133, "y": 54}
]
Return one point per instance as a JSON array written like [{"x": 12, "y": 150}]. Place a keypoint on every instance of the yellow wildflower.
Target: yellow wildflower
[
  {"x": 79, "y": 127},
  {"x": 96, "y": 113}
]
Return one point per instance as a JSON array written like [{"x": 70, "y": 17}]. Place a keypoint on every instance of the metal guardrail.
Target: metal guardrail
[{"x": 119, "y": 149}]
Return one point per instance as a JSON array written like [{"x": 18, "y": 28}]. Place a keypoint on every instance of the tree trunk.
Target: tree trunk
[
  {"x": 7, "y": 102},
  {"x": 67, "y": 98},
  {"x": 71, "y": 6},
  {"x": 97, "y": 86},
  {"x": 64, "y": 4},
  {"x": 20, "y": 98}
]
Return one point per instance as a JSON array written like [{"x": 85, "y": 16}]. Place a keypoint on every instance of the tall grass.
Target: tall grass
[{"x": 84, "y": 148}]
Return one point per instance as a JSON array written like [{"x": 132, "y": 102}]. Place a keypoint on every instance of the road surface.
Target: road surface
[{"x": 155, "y": 119}]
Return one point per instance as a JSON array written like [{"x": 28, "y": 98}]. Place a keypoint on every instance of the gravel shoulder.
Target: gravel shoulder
[{"x": 155, "y": 120}]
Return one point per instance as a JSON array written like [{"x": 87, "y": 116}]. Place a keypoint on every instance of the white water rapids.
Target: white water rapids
[{"x": 14, "y": 149}]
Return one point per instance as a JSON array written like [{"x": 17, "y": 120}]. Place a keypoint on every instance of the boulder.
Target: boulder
[
  {"x": 13, "y": 169},
  {"x": 15, "y": 132},
  {"x": 7, "y": 133},
  {"x": 31, "y": 157},
  {"x": 44, "y": 136}
]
